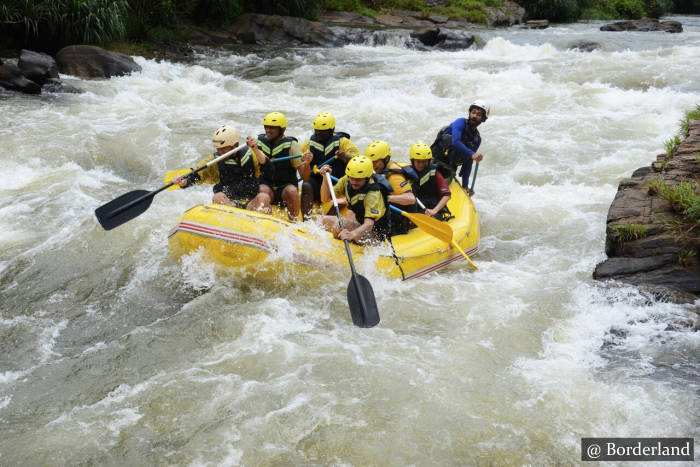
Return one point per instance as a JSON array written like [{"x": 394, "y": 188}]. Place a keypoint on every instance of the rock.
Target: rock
[
  {"x": 57, "y": 86},
  {"x": 346, "y": 17},
  {"x": 504, "y": 16},
  {"x": 89, "y": 61},
  {"x": 283, "y": 30},
  {"x": 437, "y": 19},
  {"x": 584, "y": 46},
  {"x": 535, "y": 24},
  {"x": 37, "y": 66},
  {"x": 658, "y": 258},
  {"x": 621, "y": 266},
  {"x": 644, "y": 25},
  {"x": 446, "y": 39},
  {"x": 437, "y": 3},
  {"x": 12, "y": 78}
]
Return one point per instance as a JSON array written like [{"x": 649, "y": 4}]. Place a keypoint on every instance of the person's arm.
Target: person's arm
[
  {"x": 346, "y": 150},
  {"x": 460, "y": 151},
  {"x": 252, "y": 143},
  {"x": 339, "y": 187},
  {"x": 444, "y": 190},
  {"x": 358, "y": 233},
  {"x": 208, "y": 175},
  {"x": 402, "y": 193}
]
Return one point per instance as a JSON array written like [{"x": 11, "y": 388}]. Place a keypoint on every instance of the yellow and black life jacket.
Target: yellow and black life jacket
[
  {"x": 277, "y": 175},
  {"x": 356, "y": 203},
  {"x": 324, "y": 151}
]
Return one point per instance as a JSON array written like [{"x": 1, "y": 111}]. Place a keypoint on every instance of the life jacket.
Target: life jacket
[
  {"x": 277, "y": 175},
  {"x": 236, "y": 168},
  {"x": 424, "y": 186},
  {"x": 356, "y": 203},
  {"x": 398, "y": 169},
  {"x": 322, "y": 152},
  {"x": 442, "y": 146}
]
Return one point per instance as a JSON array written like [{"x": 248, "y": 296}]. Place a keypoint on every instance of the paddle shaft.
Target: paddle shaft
[
  {"x": 476, "y": 169},
  {"x": 340, "y": 223},
  {"x": 165, "y": 187}
]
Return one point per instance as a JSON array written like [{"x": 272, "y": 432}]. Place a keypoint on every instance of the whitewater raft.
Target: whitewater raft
[{"x": 261, "y": 243}]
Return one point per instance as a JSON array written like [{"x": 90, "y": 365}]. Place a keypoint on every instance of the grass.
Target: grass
[
  {"x": 689, "y": 115},
  {"x": 629, "y": 232},
  {"x": 685, "y": 201}
]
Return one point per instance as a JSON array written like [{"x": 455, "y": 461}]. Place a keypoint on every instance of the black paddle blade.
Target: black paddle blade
[
  {"x": 123, "y": 209},
  {"x": 363, "y": 306}
]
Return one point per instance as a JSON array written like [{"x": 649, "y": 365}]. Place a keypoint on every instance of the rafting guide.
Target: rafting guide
[{"x": 458, "y": 144}]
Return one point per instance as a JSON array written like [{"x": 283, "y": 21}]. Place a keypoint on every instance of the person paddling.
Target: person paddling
[
  {"x": 379, "y": 152},
  {"x": 367, "y": 218},
  {"x": 278, "y": 182},
  {"x": 429, "y": 186},
  {"x": 324, "y": 144},
  {"x": 458, "y": 144},
  {"x": 234, "y": 179}
]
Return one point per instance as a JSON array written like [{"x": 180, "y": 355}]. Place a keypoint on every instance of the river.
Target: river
[{"x": 113, "y": 353}]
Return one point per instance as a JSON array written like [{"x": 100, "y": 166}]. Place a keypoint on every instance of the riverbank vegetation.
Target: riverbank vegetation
[
  {"x": 51, "y": 24},
  {"x": 684, "y": 197}
]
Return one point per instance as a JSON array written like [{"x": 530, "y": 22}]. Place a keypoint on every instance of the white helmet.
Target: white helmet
[
  {"x": 483, "y": 106},
  {"x": 225, "y": 135}
]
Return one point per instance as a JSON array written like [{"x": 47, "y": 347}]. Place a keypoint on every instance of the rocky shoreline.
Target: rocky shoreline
[{"x": 642, "y": 249}]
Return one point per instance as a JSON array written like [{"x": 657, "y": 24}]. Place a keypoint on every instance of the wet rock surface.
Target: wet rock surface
[
  {"x": 659, "y": 257},
  {"x": 89, "y": 61},
  {"x": 644, "y": 25}
]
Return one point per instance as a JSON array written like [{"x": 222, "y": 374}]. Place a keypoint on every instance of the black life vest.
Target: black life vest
[
  {"x": 324, "y": 151},
  {"x": 424, "y": 185},
  {"x": 277, "y": 175},
  {"x": 356, "y": 203},
  {"x": 236, "y": 168}
]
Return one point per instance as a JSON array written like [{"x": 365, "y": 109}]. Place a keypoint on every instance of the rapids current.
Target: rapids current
[{"x": 113, "y": 353}]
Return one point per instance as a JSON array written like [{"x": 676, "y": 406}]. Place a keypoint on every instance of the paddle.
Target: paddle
[
  {"x": 363, "y": 306},
  {"x": 476, "y": 169},
  {"x": 183, "y": 172},
  {"x": 132, "y": 204},
  {"x": 434, "y": 227}
]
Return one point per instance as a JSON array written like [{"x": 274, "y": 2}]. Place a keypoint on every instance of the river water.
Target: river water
[{"x": 113, "y": 353}]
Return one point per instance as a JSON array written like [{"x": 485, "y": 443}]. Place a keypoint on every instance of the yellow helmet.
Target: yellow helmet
[
  {"x": 225, "y": 135},
  {"x": 359, "y": 167},
  {"x": 324, "y": 121},
  {"x": 420, "y": 151},
  {"x": 275, "y": 119},
  {"x": 378, "y": 150}
]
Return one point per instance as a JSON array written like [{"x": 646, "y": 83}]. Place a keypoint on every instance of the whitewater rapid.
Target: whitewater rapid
[{"x": 112, "y": 353}]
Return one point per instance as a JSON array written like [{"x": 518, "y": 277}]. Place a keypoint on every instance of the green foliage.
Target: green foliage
[
  {"x": 684, "y": 198},
  {"x": 553, "y": 10},
  {"x": 309, "y": 9},
  {"x": 689, "y": 115},
  {"x": 671, "y": 144},
  {"x": 629, "y": 232},
  {"x": 628, "y": 9},
  {"x": 66, "y": 21}
]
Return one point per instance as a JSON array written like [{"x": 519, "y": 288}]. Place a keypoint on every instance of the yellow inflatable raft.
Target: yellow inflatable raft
[{"x": 260, "y": 243}]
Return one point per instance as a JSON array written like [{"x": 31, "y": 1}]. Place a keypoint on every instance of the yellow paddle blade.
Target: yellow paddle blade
[
  {"x": 464, "y": 254},
  {"x": 172, "y": 174},
  {"x": 437, "y": 229},
  {"x": 432, "y": 226}
]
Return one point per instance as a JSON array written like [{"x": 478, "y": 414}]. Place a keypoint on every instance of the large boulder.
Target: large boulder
[
  {"x": 37, "y": 66},
  {"x": 12, "y": 78},
  {"x": 282, "y": 30},
  {"x": 89, "y": 61},
  {"x": 644, "y": 25}
]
